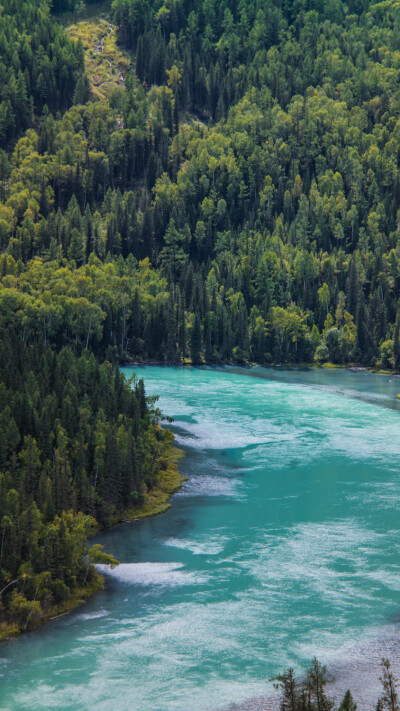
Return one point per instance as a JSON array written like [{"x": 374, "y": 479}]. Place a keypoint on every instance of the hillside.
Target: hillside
[
  {"x": 252, "y": 157},
  {"x": 80, "y": 446},
  {"x": 106, "y": 64}
]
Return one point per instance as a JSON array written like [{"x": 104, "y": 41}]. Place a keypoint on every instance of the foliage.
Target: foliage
[
  {"x": 390, "y": 698},
  {"x": 252, "y": 159},
  {"x": 39, "y": 66},
  {"x": 235, "y": 197},
  {"x": 78, "y": 447},
  {"x": 348, "y": 703}
]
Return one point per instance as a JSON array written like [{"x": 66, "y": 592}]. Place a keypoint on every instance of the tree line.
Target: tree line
[{"x": 123, "y": 310}]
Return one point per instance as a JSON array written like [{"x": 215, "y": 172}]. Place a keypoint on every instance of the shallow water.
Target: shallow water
[{"x": 284, "y": 543}]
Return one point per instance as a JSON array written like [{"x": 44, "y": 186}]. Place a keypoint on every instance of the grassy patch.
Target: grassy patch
[
  {"x": 106, "y": 64},
  {"x": 170, "y": 481},
  {"x": 382, "y": 371},
  {"x": 8, "y": 630}
]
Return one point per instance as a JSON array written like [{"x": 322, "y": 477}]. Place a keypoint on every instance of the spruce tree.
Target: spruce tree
[
  {"x": 195, "y": 341},
  {"x": 348, "y": 703},
  {"x": 287, "y": 684},
  {"x": 389, "y": 699}
]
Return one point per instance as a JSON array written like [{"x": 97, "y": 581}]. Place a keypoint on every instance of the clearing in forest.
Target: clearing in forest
[{"x": 106, "y": 64}]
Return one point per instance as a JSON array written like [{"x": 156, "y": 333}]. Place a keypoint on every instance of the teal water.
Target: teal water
[{"x": 284, "y": 543}]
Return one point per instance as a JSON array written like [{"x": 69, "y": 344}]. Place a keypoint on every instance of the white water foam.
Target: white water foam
[
  {"x": 92, "y": 615},
  {"x": 313, "y": 423},
  {"x": 209, "y": 545},
  {"x": 165, "y": 574},
  {"x": 378, "y": 398},
  {"x": 305, "y": 562},
  {"x": 209, "y": 485}
]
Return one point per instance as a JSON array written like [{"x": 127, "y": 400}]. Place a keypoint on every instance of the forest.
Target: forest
[
  {"x": 251, "y": 157},
  {"x": 39, "y": 66},
  {"x": 233, "y": 200},
  {"x": 80, "y": 446}
]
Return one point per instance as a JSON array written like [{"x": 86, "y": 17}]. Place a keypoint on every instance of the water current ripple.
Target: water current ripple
[{"x": 283, "y": 544}]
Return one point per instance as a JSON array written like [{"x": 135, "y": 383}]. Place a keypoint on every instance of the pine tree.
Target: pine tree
[
  {"x": 353, "y": 288},
  {"x": 389, "y": 699},
  {"x": 287, "y": 684},
  {"x": 89, "y": 234},
  {"x": 76, "y": 249},
  {"x": 171, "y": 329},
  {"x": 316, "y": 678},
  {"x": 348, "y": 703},
  {"x": 196, "y": 341},
  {"x": 182, "y": 326},
  {"x": 396, "y": 342}
]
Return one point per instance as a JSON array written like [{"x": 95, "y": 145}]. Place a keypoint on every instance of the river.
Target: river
[{"x": 283, "y": 544}]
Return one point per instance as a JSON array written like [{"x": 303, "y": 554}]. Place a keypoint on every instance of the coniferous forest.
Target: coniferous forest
[
  {"x": 235, "y": 198},
  {"x": 251, "y": 155},
  {"x": 78, "y": 447}
]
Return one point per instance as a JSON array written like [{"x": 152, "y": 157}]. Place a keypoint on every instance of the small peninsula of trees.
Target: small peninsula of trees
[{"x": 78, "y": 447}]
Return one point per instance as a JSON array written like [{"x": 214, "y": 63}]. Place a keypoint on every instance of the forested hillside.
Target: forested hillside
[
  {"x": 39, "y": 66},
  {"x": 252, "y": 157},
  {"x": 234, "y": 197},
  {"x": 79, "y": 445}
]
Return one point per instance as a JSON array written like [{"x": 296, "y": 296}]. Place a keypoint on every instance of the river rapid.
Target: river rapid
[{"x": 283, "y": 544}]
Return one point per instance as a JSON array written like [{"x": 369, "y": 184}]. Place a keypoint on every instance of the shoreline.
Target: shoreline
[
  {"x": 157, "y": 501},
  {"x": 10, "y": 630},
  {"x": 352, "y": 367},
  {"x": 252, "y": 704}
]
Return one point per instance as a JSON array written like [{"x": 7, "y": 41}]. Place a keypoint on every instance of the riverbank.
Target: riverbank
[
  {"x": 353, "y": 367},
  {"x": 78, "y": 597},
  {"x": 283, "y": 541},
  {"x": 156, "y": 501}
]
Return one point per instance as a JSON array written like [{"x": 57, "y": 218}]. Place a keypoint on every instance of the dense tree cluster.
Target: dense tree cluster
[
  {"x": 39, "y": 66},
  {"x": 220, "y": 49},
  {"x": 78, "y": 446},
  {"x": 277, "y": 227},
  {"x": 106, "y": 307}
]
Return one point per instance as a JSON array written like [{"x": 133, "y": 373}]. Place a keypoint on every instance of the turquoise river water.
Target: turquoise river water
[{"x": 283, "y": 544}]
